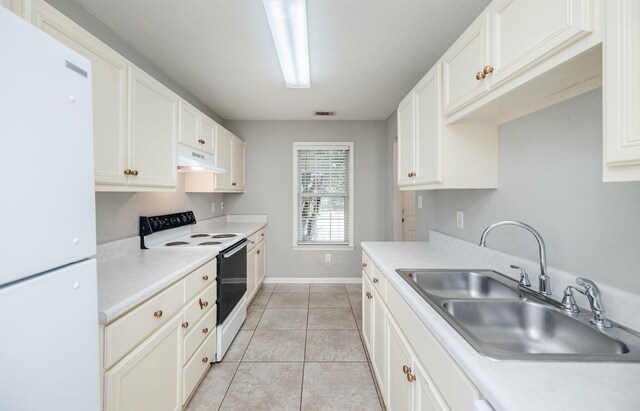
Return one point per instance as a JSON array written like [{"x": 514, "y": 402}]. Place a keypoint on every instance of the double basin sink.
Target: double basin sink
[{"x": 505, "y": 322}]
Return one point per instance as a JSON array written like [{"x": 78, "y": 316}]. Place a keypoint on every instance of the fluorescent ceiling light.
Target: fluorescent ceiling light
[{"x": 288, "y": 22}]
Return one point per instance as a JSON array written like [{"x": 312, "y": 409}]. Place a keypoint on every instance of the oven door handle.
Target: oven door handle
[{"x": 235, "y": 250}]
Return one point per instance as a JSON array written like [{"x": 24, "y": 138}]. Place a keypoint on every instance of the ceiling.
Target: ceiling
[{"x": 365, "y": 55}]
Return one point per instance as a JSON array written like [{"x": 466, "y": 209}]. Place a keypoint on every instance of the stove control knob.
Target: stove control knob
[{"x": 184, "y": 218}]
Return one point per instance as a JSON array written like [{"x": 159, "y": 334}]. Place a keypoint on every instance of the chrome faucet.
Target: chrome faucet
[
  {"x": 544, "y": 284},
  {"x": 593, "y": 294}
]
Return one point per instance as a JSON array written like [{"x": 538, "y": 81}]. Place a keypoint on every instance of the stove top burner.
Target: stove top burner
[
  {"x": 210, "y": 243},
  {"x": 223, "y": 235},
  {"x": 174, "y": 243},
  {"x": 199, "y": 235}
]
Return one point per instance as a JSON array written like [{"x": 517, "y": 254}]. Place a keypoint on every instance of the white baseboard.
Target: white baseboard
[{"x": 324, "y": 280}]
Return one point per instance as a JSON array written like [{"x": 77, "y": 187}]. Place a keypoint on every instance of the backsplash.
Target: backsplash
[{"x": 117, "y": 213}]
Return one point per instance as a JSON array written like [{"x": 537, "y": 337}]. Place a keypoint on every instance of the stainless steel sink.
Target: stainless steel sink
[
  {"x": 505, "y": 322},
  {"x": 461, "y": 284},
  {"x": 505, "y": 328}
]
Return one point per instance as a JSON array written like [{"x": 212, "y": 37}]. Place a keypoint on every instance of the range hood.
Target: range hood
[{"x": 195, "y": 161}]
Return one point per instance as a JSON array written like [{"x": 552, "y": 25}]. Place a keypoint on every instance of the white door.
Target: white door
[
  {"x": 408, "y": 216},
  {"x": 428, "y": 102},
  {"x": 367, "y": 313},
  {"x": 48, "y": 199},
  {"x": 49, "y": 347},
  {"x": 189, "y": 127},
  {"x": 399, "y": 362},
  {"x": 251, "y": 271},
  {"x": 238, "y": 164},
  {"x": 260, "y": 263},
  {"x": 379, "y": 336},
  {"x": 207, "y": 134},
  {"x": 224, "y": 145}
]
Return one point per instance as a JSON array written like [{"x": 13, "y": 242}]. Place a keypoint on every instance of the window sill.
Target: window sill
[{"x": 323, "y": 247}]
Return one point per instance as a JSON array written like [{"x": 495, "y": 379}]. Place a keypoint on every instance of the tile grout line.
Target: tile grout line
[{"x": 304, "y": 355}]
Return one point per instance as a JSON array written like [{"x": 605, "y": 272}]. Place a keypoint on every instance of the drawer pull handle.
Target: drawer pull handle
[
  {"x": 487, "y": 70},
  {"x": 375, "y": 280},
  {"x": 158, "y": 314},
  {"x": 405, "y": 369},
  {"x": 258, "y": 252},
  {"x": 205, "y": 359},
  {"x": 234, "y": 184},
  {"x": 201, "y": 141},
  {"x": 205, "y": 277},
  {"x": 134, "y": 172},
  {"x": 127, "y": 172},
  {"x": 364, "y": 265},
  {"x": 205, "y": 330},
  {"x": 253, "y": 242},
  {"x": 185, "y": 324},
  {"x": 369, "y": 296},
  {"x": 202, "y": 303},
  {"x": 410, "y": 377},
  {"x": 480, "y": 75},
  {"x": 262, "y": 234}
]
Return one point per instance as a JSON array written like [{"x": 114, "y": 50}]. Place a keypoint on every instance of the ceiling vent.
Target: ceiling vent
[{"x": 324, "y": 113}]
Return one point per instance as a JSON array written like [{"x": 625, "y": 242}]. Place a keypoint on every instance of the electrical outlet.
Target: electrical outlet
[
  {"x": 419, "y": 201},
  {"x": 213, "y": 207},
  {"x": 221, "y": 205},
  {"x": 460, "y": 219},
  {"x": 327, "y": 258}
]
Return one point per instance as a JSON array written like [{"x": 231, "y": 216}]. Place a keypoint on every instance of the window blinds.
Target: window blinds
[{"x": 323, "y": 195}]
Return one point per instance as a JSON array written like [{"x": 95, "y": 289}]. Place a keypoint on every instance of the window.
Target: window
[{"x": 323, "y": 195}]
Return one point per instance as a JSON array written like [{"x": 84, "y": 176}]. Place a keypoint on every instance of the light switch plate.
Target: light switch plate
[
  {"x": 460, "y": 219},
  {"x": 327, "y": 258}
]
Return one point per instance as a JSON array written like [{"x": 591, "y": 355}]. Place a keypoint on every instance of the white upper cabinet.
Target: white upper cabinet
[
  {"x": 153, "y": 131},
  {"x": 622, "y": 91},
  {"x": 238, "y": 164},
  {"x": 109, "y": 73},
  {"x": 196, "y": 130},
  {"x": 463, "y": 65},
  {"x": 526, "y": 31},
  {"x": 224, "y": 157},
  {"x": 434, "y": 156},
  {"x": 428, "y": 128},
  {"x": 406, "y": 140}
]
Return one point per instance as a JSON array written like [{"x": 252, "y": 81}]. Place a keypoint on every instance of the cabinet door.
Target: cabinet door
[
  {"x": 399, "y": 388},
  {"x": 150, "y": 378},
  {"x": 237, "y": 176},
  {"x": 13, "y": 5},
  {"x": 109, "y": 72},
  {"x": 208, "y": 135},
  {"x": 251, "y": 271},
  {"x": 189, "y": 125},
  {"x": 406, "y": 141},
  {"x": 526, "y": 31},
  {"x": 367, "y": 313},
  {"x": 428, "y": 102},
  {"x": 224, "y": 145},
  {"x": 260, "y": 263},
  {"x": 379, "y": 354},
  {"x": 425, "y": 398},
  {"x": 462, "y": 63},
  {"x": 153, "y": 129},
  {"x": 622, "y": 91}
]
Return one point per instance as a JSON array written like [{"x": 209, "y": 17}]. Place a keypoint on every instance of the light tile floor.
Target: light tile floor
[{"x": 299, "y": 349}]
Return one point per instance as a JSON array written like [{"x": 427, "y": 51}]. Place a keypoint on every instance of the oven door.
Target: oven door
[{"x": 232, "y": 278}]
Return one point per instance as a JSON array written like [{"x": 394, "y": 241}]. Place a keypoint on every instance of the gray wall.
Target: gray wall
[
  {"x": 550, "y": 177},
  {"x": 270, "y": 190},
  {"x": 94, "y": 26},
  {"x": 117, "y": 213}
]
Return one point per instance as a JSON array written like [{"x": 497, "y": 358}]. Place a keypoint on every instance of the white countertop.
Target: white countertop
[
  {"x": 507, "y": 385},
  {"x": 127, "y": 275}
]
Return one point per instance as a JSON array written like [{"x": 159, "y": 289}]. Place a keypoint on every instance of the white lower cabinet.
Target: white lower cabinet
[
  {"x": 412, "y": 369},
  {"x": 256, "y": 262},
  {"x": 155, "y": 355},
  {"x": 149, "y": 378}
]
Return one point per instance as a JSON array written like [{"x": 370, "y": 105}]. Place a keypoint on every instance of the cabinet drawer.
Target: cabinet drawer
[
  {"x": 448, "y": 378},
  {"x": 198, "y": 332},
  {"x": 198, "y": 365},
  {"x": 125, "y": 333},
  {"x": 366, "y": 264},
  {"x": 255, "y": 238},
  {"x": 199, "y": 279},
  {"x": 201, "y": 305},
  {"x": 379, "y": 281}
]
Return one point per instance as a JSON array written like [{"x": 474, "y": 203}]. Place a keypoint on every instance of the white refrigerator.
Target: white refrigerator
[{"x": 49, "y": 356}]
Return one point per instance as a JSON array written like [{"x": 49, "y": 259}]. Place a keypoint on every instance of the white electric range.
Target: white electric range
[{"x": 173, "y": 232}]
